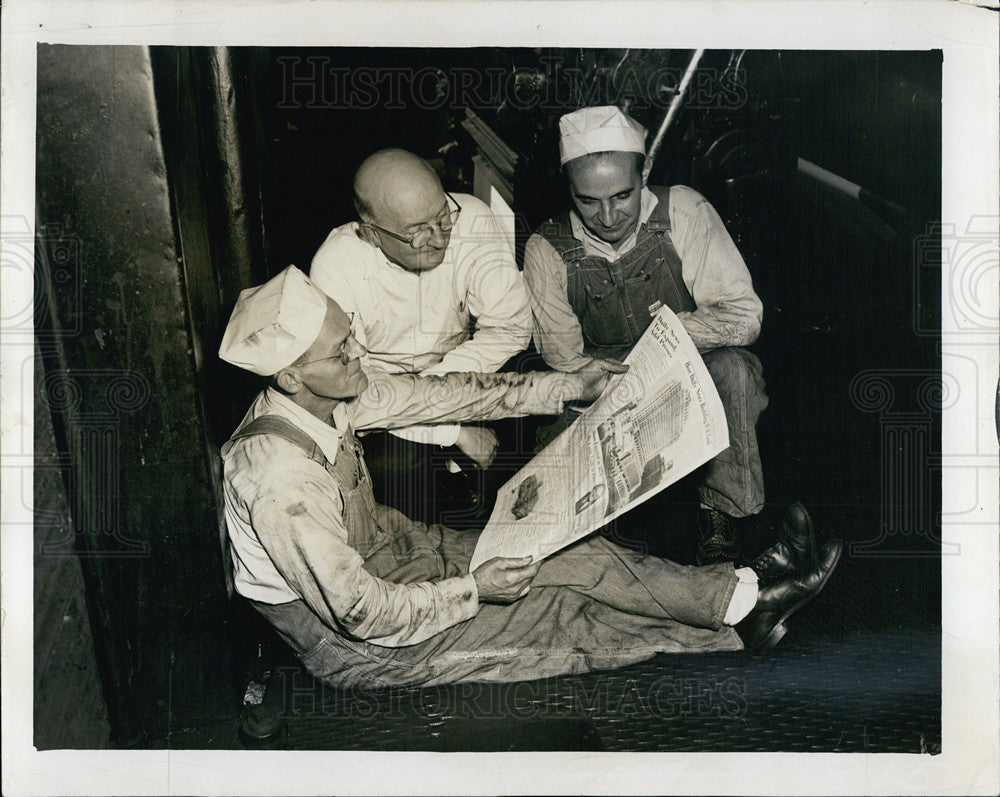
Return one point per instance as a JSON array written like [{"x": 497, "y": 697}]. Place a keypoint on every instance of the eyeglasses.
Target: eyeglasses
[
  {"x": 444, "y": 223},
  {"x": 350, "y": 349}
]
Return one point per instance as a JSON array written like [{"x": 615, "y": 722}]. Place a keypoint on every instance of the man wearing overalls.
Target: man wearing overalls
[
  {"x": 368, "y": 598},
  {"x": 597, "y": 274}
]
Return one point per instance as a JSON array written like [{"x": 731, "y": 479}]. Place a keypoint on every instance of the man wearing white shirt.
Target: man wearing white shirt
[{"x": 430, "y": 280}]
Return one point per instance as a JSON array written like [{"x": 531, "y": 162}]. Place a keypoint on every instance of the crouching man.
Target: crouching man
[{"x": 368, "y": 598}]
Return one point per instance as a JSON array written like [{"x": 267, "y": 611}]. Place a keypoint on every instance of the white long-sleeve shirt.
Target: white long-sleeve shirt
[
  {"x": 285, "y": 513},
  {"x": 419, "y": 322},
  {"x": 729, "y": 311}
]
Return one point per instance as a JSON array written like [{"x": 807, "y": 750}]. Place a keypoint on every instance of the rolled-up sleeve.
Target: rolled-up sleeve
[
  {"x": 558, "y": 336},
  {"x": 729, "y": 311},
  {"x": 296, "y": 512}
]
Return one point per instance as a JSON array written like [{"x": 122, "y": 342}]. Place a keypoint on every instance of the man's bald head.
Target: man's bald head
[
  {"x": 395, "y": 183},
  {"x": 397, "y": 195}
]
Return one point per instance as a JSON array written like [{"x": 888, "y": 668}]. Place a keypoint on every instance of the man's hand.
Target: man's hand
[
  {"x": 504, "y": 580},
  {"x": 479, "y": 444},
  {"x": 587, "y": 384},
  {"x": 601, "y": 365}
]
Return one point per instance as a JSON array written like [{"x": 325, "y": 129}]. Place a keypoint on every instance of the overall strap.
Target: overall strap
[
  {"x": 276, "y": 425},
  {"x": 559, "y": 232},
  {"x": 659, "y": 219}
]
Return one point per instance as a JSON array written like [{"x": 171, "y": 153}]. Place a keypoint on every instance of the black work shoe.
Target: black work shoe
[
  {"x": 262, "y": 723},
  {"x": 717, "y": 540},
  {"x": 795, "y": 551},
  {"x": 764, "y": 627}
]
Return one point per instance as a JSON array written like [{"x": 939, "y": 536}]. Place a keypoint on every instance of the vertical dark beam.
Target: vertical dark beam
[
  {"x": 144, "y": 509},
  {"x": 207, "y": 107},
  {"x": 229, "y": 85}
]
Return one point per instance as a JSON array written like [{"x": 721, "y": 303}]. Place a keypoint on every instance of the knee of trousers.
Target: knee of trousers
[{"x": 738, "y": 376}]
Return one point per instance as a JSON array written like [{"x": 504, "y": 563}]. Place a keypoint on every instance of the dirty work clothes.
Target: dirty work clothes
[
  {"x": 592, "y": 606},
  {"x": 726, "y": 311},
  {"x": 590, "y": 300},
  {"x": 469, "y": 314},
  {"x": 734, "y": 479},
  {"x": 299, "y": 531},
  {"x": 368, "y": 597}
]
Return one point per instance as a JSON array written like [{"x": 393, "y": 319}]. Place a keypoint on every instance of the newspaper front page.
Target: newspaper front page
[{"x": 650, "y": 427}]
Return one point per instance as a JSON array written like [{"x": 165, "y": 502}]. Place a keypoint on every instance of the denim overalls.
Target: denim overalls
[{"x": 615, "y": 303}]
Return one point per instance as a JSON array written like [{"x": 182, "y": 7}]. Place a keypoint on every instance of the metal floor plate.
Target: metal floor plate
[{"x": 871, "y": 691}]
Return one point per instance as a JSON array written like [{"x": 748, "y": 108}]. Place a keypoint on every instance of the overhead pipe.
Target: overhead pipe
[
  {"x": 889, "y": 211},
  {"x": 675, "y": 106}
]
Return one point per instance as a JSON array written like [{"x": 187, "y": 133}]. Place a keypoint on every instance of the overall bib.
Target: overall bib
[{"x": 615, "y": 303}]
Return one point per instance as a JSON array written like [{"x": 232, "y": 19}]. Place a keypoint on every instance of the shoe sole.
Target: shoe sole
[{"x": 777, "y": 633}]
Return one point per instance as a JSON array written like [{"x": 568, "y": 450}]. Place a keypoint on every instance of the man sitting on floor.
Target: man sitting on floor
[{"x": 368, "y": 598}]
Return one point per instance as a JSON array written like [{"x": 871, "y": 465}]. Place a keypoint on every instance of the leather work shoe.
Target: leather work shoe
[
  {"x": 795, "y": 551},
  {"x": 717, "y": 540},
  {"x": 764, "y": 627}
]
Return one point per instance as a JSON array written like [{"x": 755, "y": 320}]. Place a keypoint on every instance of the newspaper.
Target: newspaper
[{"x": 650, "y": 427}]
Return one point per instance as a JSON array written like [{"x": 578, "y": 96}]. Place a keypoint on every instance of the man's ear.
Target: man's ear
[
  {"x": 368, "y": 234},
  {"x": 289, "y": 381},
  {"x": 647, "y": 167}
]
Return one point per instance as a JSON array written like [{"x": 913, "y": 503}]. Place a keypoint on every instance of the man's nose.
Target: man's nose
[
  {"x": 439, "y": 238},
  {"x": 354, "y": 349},
  {"x": 607, "y": 214}
]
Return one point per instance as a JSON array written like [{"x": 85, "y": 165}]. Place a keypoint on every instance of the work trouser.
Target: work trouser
[
  {"x": 592, "y": 606},
  {"x": 734, "y": 481}
]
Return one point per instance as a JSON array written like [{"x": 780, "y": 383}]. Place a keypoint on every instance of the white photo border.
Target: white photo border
[{"x": 966, "y": 34}]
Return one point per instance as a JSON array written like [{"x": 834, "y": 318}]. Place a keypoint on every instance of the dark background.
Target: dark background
[{"x": 170, "y": 178}]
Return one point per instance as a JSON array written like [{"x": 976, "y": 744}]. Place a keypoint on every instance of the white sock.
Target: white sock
[{"x": 744, "y": 596}]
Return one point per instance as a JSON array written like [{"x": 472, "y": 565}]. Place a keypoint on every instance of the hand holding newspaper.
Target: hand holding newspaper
[{"x": 650, "y": 427}]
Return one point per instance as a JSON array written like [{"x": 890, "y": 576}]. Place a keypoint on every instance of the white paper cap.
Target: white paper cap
[
  {"x": 273, "y": 324},
  {"x": 604, "y": 128}
]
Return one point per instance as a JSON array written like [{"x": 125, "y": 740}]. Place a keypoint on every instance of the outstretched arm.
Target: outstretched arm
[{"x": 394, "y": 400}]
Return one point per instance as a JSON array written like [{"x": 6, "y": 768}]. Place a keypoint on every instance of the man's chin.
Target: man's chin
[
  {"x": 428, "y": 261},
  {"x": 613, "y": 236}
]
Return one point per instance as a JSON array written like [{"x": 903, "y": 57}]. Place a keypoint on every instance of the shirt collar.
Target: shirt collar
[
  {"x": 327, "y": 437},
  {"x": 592, "y": 245}
]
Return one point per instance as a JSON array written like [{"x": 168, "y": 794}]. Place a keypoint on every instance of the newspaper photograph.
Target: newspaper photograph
[{"x": 652, "y": 426}]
